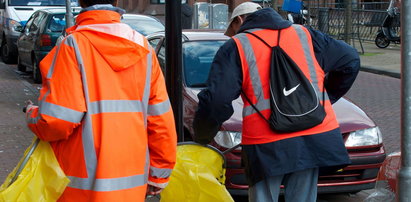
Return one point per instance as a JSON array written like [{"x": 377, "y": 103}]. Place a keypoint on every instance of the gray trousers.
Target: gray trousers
[{"x": 300, "y": 186}]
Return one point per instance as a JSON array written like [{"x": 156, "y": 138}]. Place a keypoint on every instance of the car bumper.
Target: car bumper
[{"x": 360, "y": 175}]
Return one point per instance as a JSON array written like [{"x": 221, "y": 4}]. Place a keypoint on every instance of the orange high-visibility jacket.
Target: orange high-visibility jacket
[
  {"x": 105, "y": 110},
  {"x": 255, "y": 59}
]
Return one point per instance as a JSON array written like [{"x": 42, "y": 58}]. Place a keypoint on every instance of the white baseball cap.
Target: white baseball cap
[{"x": 242, "y": 9}]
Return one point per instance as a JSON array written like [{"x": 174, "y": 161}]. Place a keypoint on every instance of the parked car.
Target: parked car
[
  {"x": 14, "y": 15},
  {"x": 362, "y": 137},
  {"x": 144, "y": 24},
  {"x": 38, "y": 37}
]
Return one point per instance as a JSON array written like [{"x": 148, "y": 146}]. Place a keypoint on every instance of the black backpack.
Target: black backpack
[{"x": 294, "y": 103}]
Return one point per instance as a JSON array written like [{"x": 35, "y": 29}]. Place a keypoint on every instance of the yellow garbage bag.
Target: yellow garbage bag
[
  {"x": 39, "y": 176},
  {"x": 198, "y": 176}
]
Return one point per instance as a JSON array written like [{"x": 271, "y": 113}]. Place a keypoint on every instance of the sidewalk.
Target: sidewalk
[{"x": 385, "y": 61}]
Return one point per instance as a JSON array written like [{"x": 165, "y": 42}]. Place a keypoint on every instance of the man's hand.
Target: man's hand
[
  {"x": 29, "y": 104},
  {"x": 153, "y": 190}
]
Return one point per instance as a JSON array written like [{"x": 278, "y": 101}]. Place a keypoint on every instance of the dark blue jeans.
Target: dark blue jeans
[{"x": 300, "y": 186}]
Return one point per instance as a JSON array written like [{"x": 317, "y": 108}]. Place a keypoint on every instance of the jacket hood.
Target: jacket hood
[
  {"x": 120, "y": 52},
  {"x": 266, "y": 18}
]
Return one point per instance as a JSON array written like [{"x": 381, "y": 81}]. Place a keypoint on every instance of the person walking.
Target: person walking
[
  {"x": 104, "y": 108},
  {"x": 242, "y": 66}
]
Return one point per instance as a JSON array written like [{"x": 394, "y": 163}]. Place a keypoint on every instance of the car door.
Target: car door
[
  {"x": 32, "y": 36},
  {"x": 22, "y": 42}
]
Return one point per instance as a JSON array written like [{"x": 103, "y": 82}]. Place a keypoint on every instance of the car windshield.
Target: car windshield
[
  {"x": 145, "y": 26},
  {"x": 197, "y": 59},
  {"x": 41, "y": 3}
]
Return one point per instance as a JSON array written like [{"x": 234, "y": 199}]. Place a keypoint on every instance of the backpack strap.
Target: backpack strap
[
  {"x": 254, "y": 107},
  {"x": 256, "y": 36}
]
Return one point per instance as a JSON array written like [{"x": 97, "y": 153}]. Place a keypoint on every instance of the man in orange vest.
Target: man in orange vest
[
  {"x": 104, "y": 109},
  {"x": 242, "y": 64}
]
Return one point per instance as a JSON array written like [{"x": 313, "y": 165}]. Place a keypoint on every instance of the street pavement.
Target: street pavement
[{"x": 15, "y": 88}]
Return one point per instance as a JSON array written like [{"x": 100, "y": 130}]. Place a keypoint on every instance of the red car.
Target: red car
[{"x": 362, "y": 137}]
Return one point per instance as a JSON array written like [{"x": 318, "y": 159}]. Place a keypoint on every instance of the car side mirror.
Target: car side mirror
[{"x": 19, "y": 29}]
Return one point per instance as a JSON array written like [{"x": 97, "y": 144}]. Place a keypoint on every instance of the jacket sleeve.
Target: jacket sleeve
[
  {"x": 223, "y": 86},
  {"x": 162, "y": 138},
  {"x": 61, "y": 102},
  {"x": 340, "y": 62}
]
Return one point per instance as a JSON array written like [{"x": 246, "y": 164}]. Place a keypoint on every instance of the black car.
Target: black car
[{"x": 38, "y": 37}]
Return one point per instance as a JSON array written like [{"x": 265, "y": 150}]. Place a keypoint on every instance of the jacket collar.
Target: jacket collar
[
  {"x": 104, "y": 7},
  {"x": 266, "y": 18},
  {"x": 99, "y": 14}
]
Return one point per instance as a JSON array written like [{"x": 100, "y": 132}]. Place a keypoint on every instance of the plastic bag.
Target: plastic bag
[
  {"x": 198, "y": 176},
  {"x": 41, "y": 178}
]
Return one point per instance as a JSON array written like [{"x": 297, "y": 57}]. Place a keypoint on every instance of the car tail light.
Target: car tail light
[{"x": 45, "y": 40}]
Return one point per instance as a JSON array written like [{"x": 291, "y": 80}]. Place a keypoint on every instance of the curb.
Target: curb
[{"x": 381, "y": 71}]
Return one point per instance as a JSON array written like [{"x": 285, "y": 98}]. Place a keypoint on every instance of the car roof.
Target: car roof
[
  {"x": 139, "y": 16},
  {"x": 198, "y": 34},
  {"x": 59, "y": 10}
]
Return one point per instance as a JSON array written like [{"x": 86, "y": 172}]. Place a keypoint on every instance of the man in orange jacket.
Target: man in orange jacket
[{"x": 104, "y": 109}]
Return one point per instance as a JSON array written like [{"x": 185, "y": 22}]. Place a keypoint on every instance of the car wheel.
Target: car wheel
[
  {"x": 6, "y": 55},
  {"x": 20, "y": 67},
  {"x": 381, "y": 41},
  {"x": 36, "y": 72}
]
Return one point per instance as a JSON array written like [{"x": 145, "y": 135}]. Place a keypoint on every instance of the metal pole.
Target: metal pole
[
  {"x": 348, "y": 21},
  {"x": 69, "y": 14},
  {"x": 404, "y": 178},
  {"x": 173, "y": 62}
]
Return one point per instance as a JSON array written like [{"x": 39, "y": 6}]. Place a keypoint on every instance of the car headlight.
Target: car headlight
[
  {"x": 16, "y": 26},
  {"x": 366, "y": 137},
  {"x": 227, "y": 139}
]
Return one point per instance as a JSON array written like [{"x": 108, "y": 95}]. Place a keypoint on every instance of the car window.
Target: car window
[
  {"x": 29, "y": 22},
  {"x": 197, "y": 59},
  {"x": 57, "y": 23},
  {"x": 144, "y": 26},
  {"x": 36, "y": 23}
]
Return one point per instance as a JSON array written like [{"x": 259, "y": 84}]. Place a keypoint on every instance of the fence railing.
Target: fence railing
[{"x": 366, "y": 19}]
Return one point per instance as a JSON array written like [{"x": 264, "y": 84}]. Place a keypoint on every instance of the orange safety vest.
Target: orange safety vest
[
  {"x": 105, "y": 110},
  {"x": 255, "y": 59}
]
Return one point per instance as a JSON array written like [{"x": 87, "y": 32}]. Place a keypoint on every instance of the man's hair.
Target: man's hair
[{"x": 88, "y": 3}]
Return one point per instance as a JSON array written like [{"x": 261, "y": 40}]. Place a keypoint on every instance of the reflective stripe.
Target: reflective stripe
[
  {"x": 159, "y": 109},
  {"x": 252, "y": 66},
  {"x": 107, "y": 106},
  {"x": 61, "y": 112},
  {"x": 90, "y": 158},
  {"x": 108, "y": 184},
  {"x": 51, "y": 70},
  {"x": 147, "y": 87},
  {"x": 307, "y": 54},
  {"x": 160, "y": 172},
  {"x": 261, "y": 105}
]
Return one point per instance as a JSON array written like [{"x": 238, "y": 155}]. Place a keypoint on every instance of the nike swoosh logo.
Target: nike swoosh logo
[{"x": 288, "y": 92}]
